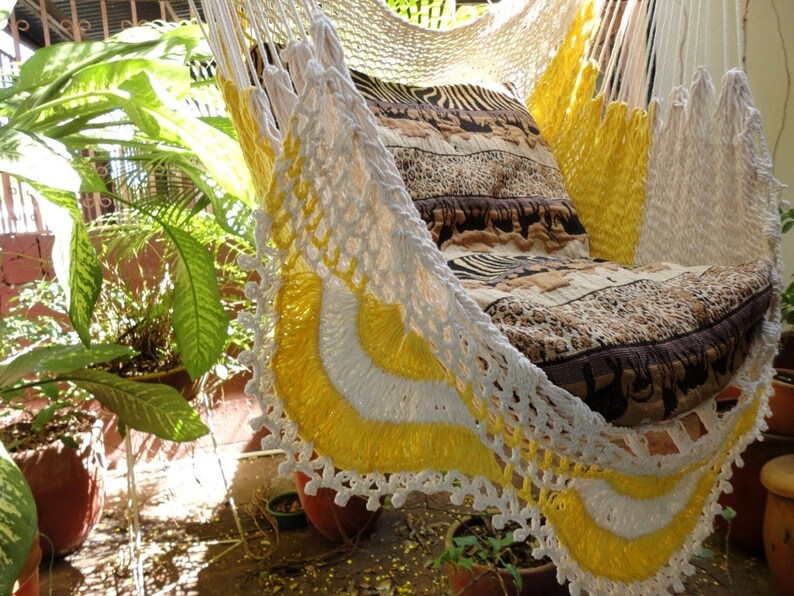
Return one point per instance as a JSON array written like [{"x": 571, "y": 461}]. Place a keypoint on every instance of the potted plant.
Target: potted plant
[
  {"x": 287, "y": 510},
  {"x": 135, "y": 309},
  {"x": 123, "y": 106},
  {"x": 52, "y": 385},
  {"x": 62, "y": 460},
  {"x": 337, "y": 523},
  {"x": 122, "y": 103},
  {"x": 479, "y": 559}
]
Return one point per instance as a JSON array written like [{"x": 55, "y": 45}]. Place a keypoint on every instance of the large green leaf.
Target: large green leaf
[
  {"x": 37, "y": 159},
  {"x": 230, "y": 213},
  {"x": 175, "y": 78},
  {"x": 18, "y": 521},
  {"x": 64, "y": 359},
  {"x": 75, "y": 261},
  {"x": 149, "y": 407},
  {"x": 59, "y": 359},
  {"x": 87, "y": 95},
  {"x": 200, "y": 325},
  {"x": 50, "y": 67},
  {"x": 21, "y": 366},
  {"x": 219, "y": 153},
  {"x": 73, "y": 255}
]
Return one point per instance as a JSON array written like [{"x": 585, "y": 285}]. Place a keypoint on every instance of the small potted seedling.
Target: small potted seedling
[{"x": 479, "y": 559}]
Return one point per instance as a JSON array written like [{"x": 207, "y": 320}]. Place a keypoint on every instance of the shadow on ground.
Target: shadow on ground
[{"x": 191, "y": 543}]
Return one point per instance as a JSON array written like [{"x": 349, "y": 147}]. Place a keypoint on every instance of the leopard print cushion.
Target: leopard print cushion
[
  {"x": 637, "y": 344},
  {"x": 476, "y": 166}
]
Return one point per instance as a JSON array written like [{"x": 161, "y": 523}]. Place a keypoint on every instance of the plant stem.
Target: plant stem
[
  {"x": 136, "y": 559},
  {"x": 205, "y": 401}
]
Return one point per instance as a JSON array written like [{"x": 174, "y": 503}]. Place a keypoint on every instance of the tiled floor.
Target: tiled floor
[{"x": 190, "y": 543}]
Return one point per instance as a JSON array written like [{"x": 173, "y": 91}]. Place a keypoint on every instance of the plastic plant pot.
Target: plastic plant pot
[{"x": 281, "y": 507}]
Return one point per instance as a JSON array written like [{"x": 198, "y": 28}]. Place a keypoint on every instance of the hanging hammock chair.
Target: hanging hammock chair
[{"x": 452, "y": 302}]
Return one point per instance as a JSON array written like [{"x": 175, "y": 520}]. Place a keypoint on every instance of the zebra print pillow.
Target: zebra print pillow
[{"x": 478, "y": 169}]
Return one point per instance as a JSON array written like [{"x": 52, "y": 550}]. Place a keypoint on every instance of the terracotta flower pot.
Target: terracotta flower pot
[
  {"x": 485, "y": 581},
  {"x": 778, "y": 477},
  {"x": 749, "y": 495},
  {"x": 27, "y": 583},
  {"x": 68, "y": 486},
  {"x": 337, "y": 524},
  {"x": 781, "y": 422}
]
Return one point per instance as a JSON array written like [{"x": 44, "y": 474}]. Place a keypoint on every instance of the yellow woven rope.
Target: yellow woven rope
[
  {"x": 628, "y": 560},
  {"x": 333, "y": 424},
  {"x": 258, "y": 154},
  {"x": 603, "y": 153},
  {"x": 322, "y": 414}
]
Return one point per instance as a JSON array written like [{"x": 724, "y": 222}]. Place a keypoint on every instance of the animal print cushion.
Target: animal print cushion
[
  {"x": 637, "y": 344},
  {"x": 476, "y": 166}
]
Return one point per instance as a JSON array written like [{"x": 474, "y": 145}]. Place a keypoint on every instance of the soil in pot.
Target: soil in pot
[
  {"x": 337, "y": 524},
  {"x": 65, "y": 468},
  {"x": 490, "y": 549}
]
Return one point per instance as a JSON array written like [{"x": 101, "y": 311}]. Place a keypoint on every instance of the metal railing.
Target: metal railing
[{"x": 40, "y": 23}]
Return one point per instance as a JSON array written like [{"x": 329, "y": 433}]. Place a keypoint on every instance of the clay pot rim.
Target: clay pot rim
[
  {"x": 173, "y": 377},
  {"x": 160, "y": 374},
  {"x": 777, "y": 474},
  {"x": 784, "y": 376},
  {"x": 85, "y": 438}
]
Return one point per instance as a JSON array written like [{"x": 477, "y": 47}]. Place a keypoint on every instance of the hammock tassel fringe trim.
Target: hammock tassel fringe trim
[{"x": 376, "y": 372}]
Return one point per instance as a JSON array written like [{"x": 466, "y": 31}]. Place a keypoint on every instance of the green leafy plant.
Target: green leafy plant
[
  {"x": 62, "y": 376},
  {"x": 134, "y": 309},
  {"x": 126, "y": 100},
  {"x": 88, "y": 110},
  {"x": 478, "y": 544},
  {"x": 50, "y": 372},
  {"x": 132, "y": 336}
]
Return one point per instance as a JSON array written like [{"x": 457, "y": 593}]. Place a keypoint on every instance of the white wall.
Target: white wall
[{"x": 770, "y": 44}]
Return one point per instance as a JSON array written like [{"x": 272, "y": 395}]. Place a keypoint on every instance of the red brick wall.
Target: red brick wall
[{"x": 23, "y": 258}]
